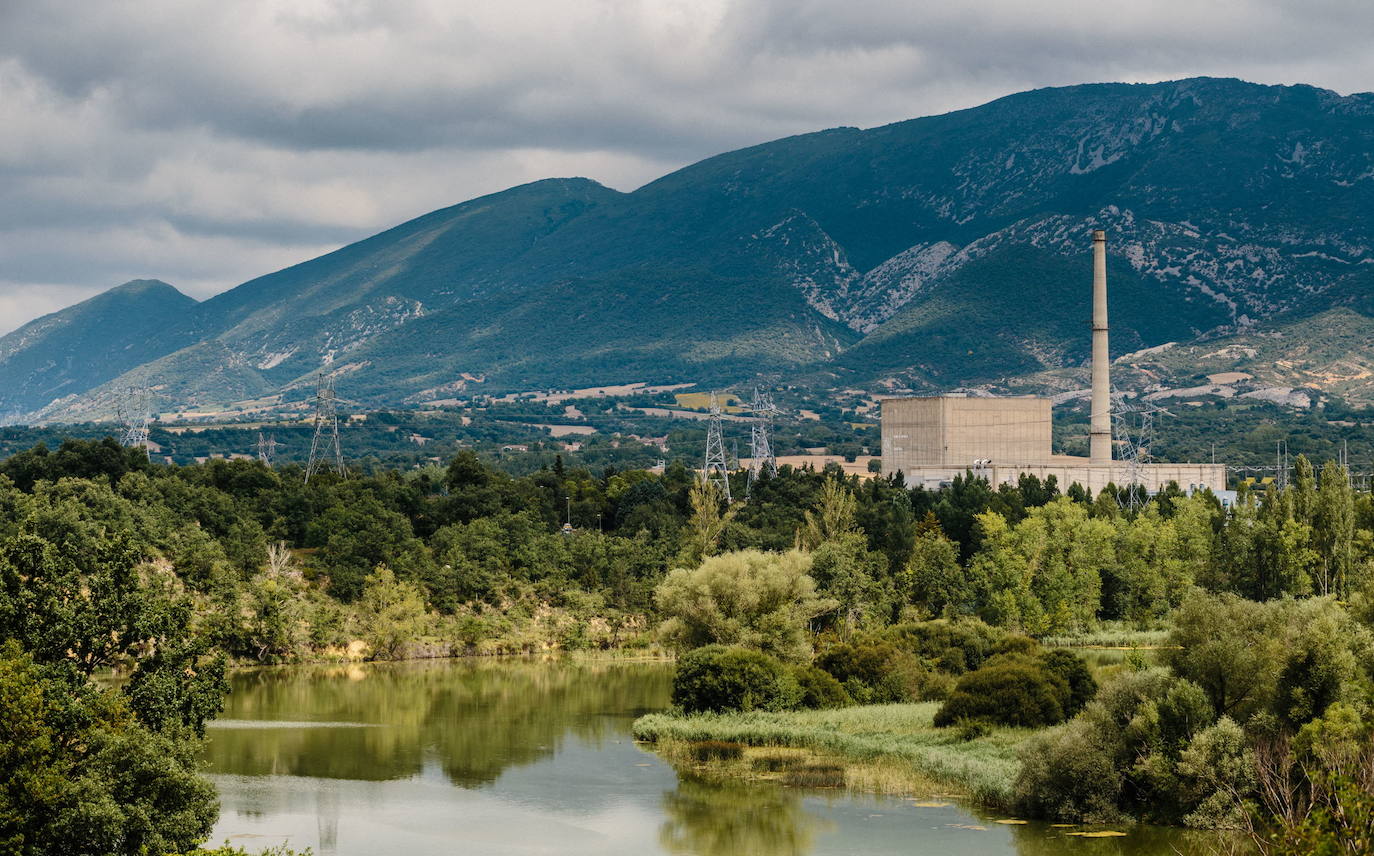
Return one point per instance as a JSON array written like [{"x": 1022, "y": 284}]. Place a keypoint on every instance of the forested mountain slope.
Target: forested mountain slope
[{"x": 938, "y": 252}]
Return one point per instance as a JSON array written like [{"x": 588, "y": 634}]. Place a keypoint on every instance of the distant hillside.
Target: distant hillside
[
  {"x": 80, "y": 347},
  {"x": 934, "y": 253}
]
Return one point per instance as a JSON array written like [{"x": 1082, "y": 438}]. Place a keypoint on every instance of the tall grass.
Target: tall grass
[
  {"x": 1109, "y": 635},
  {"x": 984, "y": 767}
]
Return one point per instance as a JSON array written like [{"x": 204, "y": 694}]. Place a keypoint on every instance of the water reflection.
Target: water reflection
[
  {"x": 725, "y": 818},
  {"x": 526, "y": 757},
  {"x": 476, "y": 718}
]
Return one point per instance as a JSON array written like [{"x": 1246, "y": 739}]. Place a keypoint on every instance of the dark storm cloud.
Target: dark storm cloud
[{"x": 206, "y": 142}]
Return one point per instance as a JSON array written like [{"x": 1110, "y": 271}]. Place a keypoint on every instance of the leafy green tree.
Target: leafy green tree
[
  {"x": 1317, "y": 667},
  {"x": 1217, "y": 771},
  {"x": 119, "y": 765},
  {"x": 272, "y": 611},
  {"x": 759, "y": 600},
  {"x": 1334, "y": 531},
  {"x": 854, "y": 577},
  {"x": 832, "y": 518},
  {"x": 932, "y": 577},
  {"x": 1045, "y": 573},
  {"x": 706, "y": 525},
  {"x": 359, "y": 536},
  {"x": 1229, "y": 647},
  {"x": 81, "y": 775},
  {"x": 391, "y": 613}
]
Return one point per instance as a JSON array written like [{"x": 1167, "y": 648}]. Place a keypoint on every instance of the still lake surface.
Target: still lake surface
[{"x": 535, "y": 757}]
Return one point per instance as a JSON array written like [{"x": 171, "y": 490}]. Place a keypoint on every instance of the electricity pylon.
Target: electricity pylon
[
  {"x": 761, "y": 456},
  {"x": 135, "y": 413},
  {"x": 267, "y": 448},
  {"x": 715, "y": 470},
  {"x": 326, "y": 421},
  {"x": 1137, "y": 437}
]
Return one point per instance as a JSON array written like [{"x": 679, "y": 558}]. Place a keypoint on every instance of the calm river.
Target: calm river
[{"x": 522, "y": 757}]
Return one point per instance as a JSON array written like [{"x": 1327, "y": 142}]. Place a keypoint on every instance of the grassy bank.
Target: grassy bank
[{"x": 891, "y": 748}]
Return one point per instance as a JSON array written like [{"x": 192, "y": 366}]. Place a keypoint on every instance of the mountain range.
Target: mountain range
[{"x": 937, "y": 253}]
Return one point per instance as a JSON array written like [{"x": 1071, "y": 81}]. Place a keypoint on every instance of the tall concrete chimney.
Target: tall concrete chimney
[{"x": 1100, "y": 431}]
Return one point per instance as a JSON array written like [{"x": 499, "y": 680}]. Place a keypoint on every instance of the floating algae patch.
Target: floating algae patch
[
  {"x": 1101, "y": 833},
  {"x": 928, "y": 804},
  {"x": 1012, "y": 822}
]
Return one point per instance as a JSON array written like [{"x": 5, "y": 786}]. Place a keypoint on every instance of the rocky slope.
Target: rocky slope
[{"x": 934, "y": 253}]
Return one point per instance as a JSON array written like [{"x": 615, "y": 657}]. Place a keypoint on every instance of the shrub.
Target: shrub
[
  {"x": 954, "y": 646},
  {"x": 1075, "y": 672},
  {"x": 819, "y": 689},
  {"x": 1216, "y": 767},
  {"x": 721, "y": 678},
  {"x": 972, "y": 729},
  {"x": 1008, "y": 690},
  {"x": 875, "y": 673},
  {"x": 1069, "y": 774},
  {"x": 1015, "y": 643}
]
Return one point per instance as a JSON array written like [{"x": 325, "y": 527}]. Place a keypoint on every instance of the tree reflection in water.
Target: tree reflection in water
[
  {"x": 712, "y": 818},
  {"x": 381, "y": 722}
]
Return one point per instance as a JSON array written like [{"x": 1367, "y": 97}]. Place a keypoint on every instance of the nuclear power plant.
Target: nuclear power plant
[{"x": 933, "y": 439}]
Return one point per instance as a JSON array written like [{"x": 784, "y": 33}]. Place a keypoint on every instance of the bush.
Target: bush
[
  {"x": 719, "y": 678},
  {"x": 954, "y": 646},
  {"x": 972, "y": 729},
  {"x": 819, "y": 689},
  {"x": 1015, "y": 643},
  {"x": 1075, "y": 672},
  {"x": 875, "y": 673},
  {"x": 1068, "y": 774},
  {"x": 1008, "y": 690}
]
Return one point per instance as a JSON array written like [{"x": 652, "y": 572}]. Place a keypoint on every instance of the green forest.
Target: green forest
[{"x": 128, "y": 588}]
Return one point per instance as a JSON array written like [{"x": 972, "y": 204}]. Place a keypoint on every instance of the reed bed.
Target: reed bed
[{"x": 895, "y": 744}]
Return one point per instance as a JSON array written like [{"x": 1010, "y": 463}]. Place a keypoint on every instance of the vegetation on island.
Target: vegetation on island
[{"x": 823, "y": 606}]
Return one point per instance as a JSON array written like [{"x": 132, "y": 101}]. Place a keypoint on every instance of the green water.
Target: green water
[{"x": 524, "y": 757}]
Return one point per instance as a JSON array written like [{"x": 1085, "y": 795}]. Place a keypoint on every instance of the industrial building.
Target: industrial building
[{"x": 932, "y": 439}]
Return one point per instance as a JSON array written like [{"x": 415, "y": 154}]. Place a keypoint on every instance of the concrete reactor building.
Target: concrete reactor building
[{"x": 932, "y": 439}]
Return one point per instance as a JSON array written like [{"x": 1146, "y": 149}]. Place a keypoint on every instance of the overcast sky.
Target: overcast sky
[{"x": 205, "y": 142}]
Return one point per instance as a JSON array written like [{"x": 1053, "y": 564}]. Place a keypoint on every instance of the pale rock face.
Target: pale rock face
[
  {"x": 814, "y": 263},
  {"x": 1280, "y": 395},
  {"x": 891, "y": 285}
]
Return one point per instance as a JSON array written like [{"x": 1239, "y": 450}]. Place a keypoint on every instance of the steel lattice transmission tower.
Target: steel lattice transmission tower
[
  {"x": 326, "y": 422},
  {"x": 267, "y": 448},
  {"x": 715, "y": 470},
  {"x": 135, "y": 413},
  {"x": 761, "y": 456},
  {"x": 1137, "y": 437}
]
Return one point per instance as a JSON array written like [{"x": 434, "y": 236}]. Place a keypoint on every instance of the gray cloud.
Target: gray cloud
[{"x": 206, "y": 142}]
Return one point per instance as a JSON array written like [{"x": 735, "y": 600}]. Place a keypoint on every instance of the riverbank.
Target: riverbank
[{"x": 892, "y": 749}]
